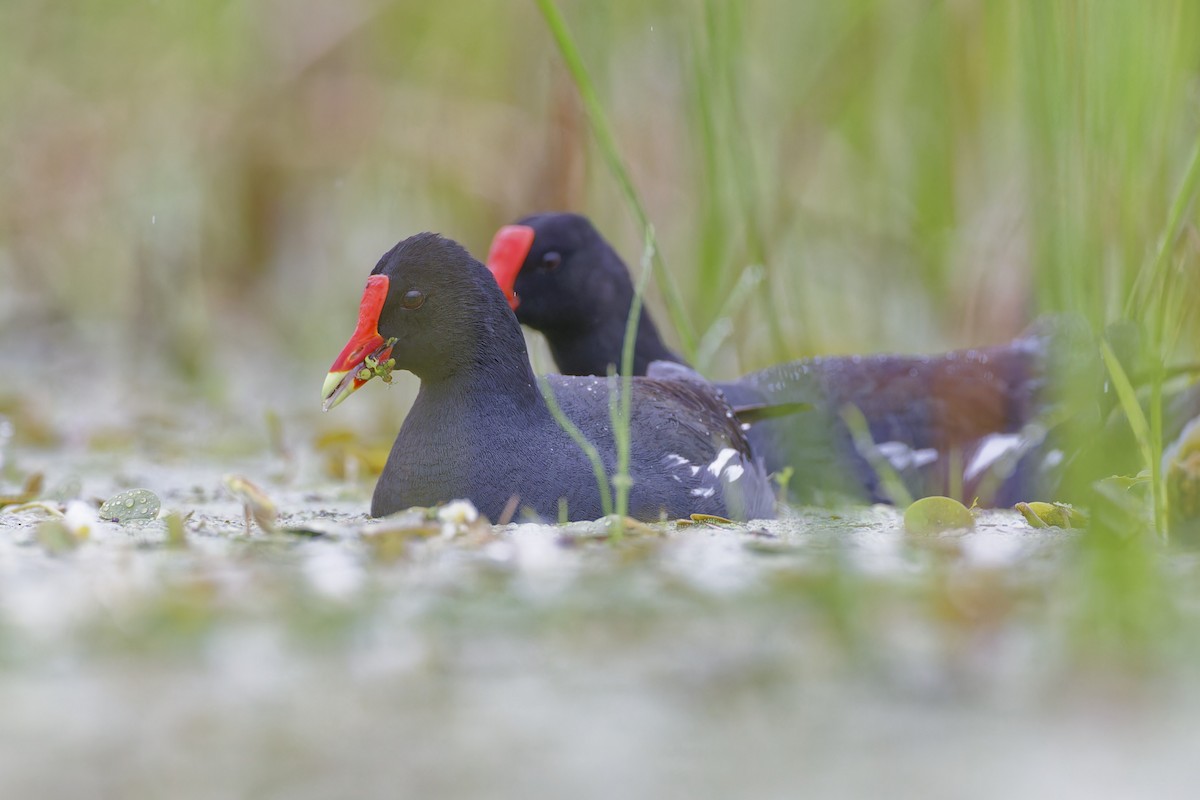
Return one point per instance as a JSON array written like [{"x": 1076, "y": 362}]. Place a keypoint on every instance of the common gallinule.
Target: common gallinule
[
  {"x": 565, "y": 280},
  {"x": 481, "y": 429},
  {"x": 938, "y": 420}
]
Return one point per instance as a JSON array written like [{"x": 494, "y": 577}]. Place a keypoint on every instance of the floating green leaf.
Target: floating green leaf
[
  {"x": 936, "y": 514},
  {"x": 1052, "y": 515},
  {"x": 130, "y": 505}
]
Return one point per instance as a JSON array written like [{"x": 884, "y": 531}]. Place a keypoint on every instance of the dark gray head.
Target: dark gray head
[
  {"x": 433, "y": 310},
  {"x": 558, "y": 272}
]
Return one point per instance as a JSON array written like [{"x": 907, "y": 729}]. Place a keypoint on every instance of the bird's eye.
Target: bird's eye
[
  {"x": 551, "y": 260},
  {"x": 413, "y": 299}
]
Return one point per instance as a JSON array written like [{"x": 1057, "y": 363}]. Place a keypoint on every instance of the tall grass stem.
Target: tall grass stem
[
  {"x": 607, "y": 143},
  {"x": 589, "y": 450}
]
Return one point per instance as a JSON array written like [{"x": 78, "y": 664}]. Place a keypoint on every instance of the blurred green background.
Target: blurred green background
[
  {"x": 192, "y": 195},
  {"x": 182, "y": 180}
]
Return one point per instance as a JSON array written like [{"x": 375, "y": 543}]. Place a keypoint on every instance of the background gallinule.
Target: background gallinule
[
  {"x": 480, "y": 427},
  {"x": 938, "y": 420}
]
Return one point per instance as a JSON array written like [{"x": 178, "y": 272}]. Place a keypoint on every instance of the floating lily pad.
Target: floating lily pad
[
  {"x": 130, "y": 505},
  {"x": 936, "y": 514}
]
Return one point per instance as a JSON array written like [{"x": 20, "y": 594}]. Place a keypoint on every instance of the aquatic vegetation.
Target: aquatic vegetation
[
  {"x": 130, "y": 505},
  {"x": 1052, "y": 515},
  {"x": 931, "y": 515}
]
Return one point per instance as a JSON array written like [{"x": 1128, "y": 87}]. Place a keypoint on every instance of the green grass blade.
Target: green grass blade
[
  {"x": 612, "y": 155},
  {"x": 1142, "y": 432},
  {"x": 621, "y": 403},
  {"x": 1158, "y": 274},
  {"x": 860, "y": 433},
  {"x": 750, "y": 279},
  {"x": 589, "y": 450}
]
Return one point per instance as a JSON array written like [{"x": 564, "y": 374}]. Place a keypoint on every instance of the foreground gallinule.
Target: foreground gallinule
[
  {"x": 938, "y": 420},
  {"x": 481, "y": 429}
]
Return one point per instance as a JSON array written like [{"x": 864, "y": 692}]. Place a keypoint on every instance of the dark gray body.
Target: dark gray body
[
  {"x": 490, "y": 447},
  {"x": 481, "y": 430}
]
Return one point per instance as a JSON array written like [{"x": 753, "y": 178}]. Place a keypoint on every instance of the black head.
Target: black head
[
  {"x": 429, "y": 308},
  {"x": 558, "y": 273}
]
